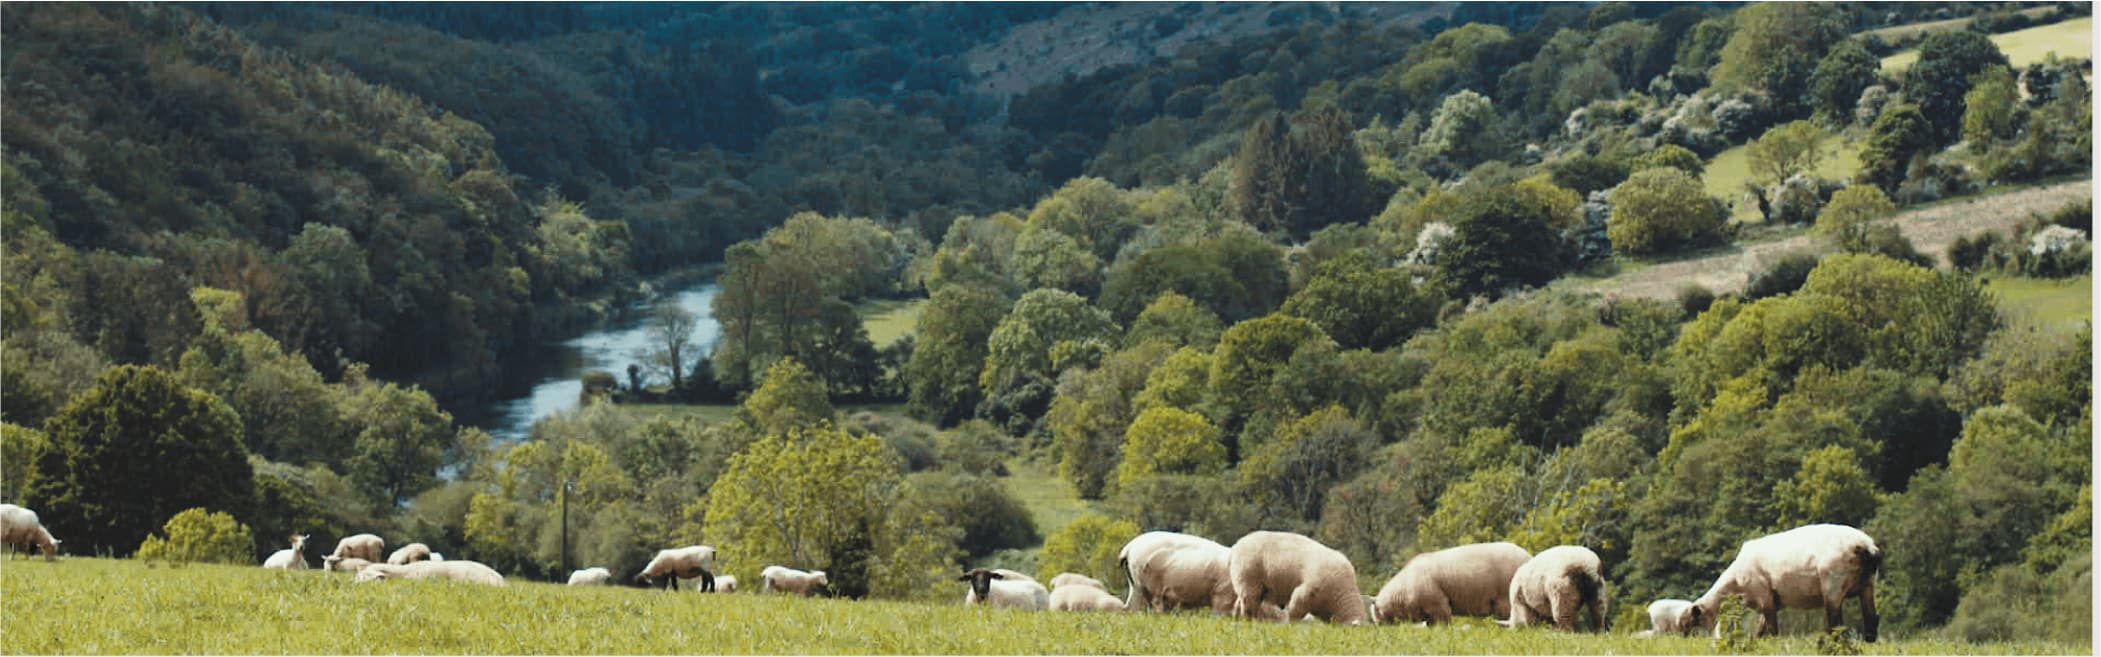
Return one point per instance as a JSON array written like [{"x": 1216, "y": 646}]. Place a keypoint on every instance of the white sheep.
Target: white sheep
[
  {"x": 1469, "y": 580},
  {"x": 1554, "y": 584},
  {"x": 437, "y": 557},
  {"x": 1076, "y": 592},
  {"x": 292, "y": 558},
  {"x": 20, "y": 528},
  {"x": 345, "y": 565},
  {"x": 410, "y": 553},
  {"x": 725, "y": 583},
  {"x": 686, "y": 562},
  {"x": 790, "y": 580},
  {"x": 1004, "y": 588},
  {"x": 1802, "y": 568},
  {"x": 465, "y": 571},
  {"x": 1272, "y": 570},
  {"x": 361, "y": 546},
  {"x": 1665, "y": 617},
  {"x": 1169, "y": 570},
  {"x": 587, "y": 577}
]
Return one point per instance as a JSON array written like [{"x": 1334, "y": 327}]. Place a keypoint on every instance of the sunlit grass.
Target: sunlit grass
[
  {"x": 890, "y": 319},
  {"x": 2072, "y": 39},
  {"x": 97, "y": 606},
  {"x": 1050, "y": 500},
  {"x": 1729, "y": 169},
  {"x": 1949, "y": 25},
  {"x": 2049, "y": 304}
]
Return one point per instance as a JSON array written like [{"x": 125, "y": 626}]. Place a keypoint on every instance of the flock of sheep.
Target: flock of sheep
[{"x": 1268, "y": 575}]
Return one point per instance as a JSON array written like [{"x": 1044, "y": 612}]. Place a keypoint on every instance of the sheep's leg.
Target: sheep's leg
[
  {"x": 1868, "y": 619},
  {"x": 1299, "y": 606},
  {"x": 1438, "y": 612},
  {"x": 707, "y": 581},
  {"x": 1768, "y": 621},
  {"x": 1597, "y": 613},
  {"x": 1564, "y": 612}
]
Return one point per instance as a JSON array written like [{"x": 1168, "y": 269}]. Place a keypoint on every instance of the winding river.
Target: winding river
[{"x": 558, "y": 375}]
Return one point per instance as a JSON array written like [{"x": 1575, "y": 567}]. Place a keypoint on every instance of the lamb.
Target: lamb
[
  {"x": 1296, "y": 573},
  {"x": 1469, "y": 580},
  {"x": 686, "y": 562},
  {"x": 1169, "y": 570},
  {"x": 725, "y": 583},
  {"x": 1553, "y": 584},
  {"x": 1076, "y": 592},
  {"x": 349, "y": 565},
  {"x": 20, "y": 528},
  {"x": 1665, "y": 616},
  {"x": 1802, "y": 568},
  {"x": 790, "y": 580},
  {"x": 586, "y": 577},
  {"x": 1004, "y": 588},
  {"x": 293, "y": 558},
  {"x": 465, "y": 571},
  {"x": 410, "y": 553},
  {"x": 361, "y": 546}
]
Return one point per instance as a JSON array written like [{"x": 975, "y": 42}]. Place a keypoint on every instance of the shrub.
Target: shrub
[
  {"x": 1661, "y": 209},
  {"x": 1694, "y": 299},
  {"x": 1782, "y": 276},
  {"x": 1973, "y": 253},
  {"x": 200, "y": 536},
  {"x": 1088, "y": 546}
]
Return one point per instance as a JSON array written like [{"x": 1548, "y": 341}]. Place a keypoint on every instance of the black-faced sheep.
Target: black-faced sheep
[
  {"x": 1169, "y": 570},
  {"x": 790, "y": 580},
  {"x": 1305, "y": 578},
  {"x": 410, "y": 553},
  {"x": 20, "y": 528},
  {"x": 1076, "y": 592},
  {"x": 1004, "y": 588},
  {"x": 589, "y": 577},
  {"x": 1469, "y": 580},
  {"x": 681, "y": 563},
  {"x": 1554, "y": 584},
  {"x": 292, "y": 558},
  {"x": 1810, "y": 567},
  {"x": 465, "y": 571}
]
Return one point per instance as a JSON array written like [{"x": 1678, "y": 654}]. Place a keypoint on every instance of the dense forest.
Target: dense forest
[{"x": 1309, "y": 274}]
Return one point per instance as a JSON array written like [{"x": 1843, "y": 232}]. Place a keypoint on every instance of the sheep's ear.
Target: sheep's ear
[
  {"x": 964, "y": 578},
  {"x": 997, "y": 576}
]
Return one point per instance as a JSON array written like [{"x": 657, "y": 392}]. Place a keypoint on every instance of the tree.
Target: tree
[
  {"x": 1248, "y": 357},
  {"x": 1362, "y": 306},
  {"x": 1900, "y": 135},
  {"x": 1785, "y": 151},
  {"x": 199, "y": 535},
  {"x": 1090, "y": 544},
  {"x": 1988, "y": 109},
  {"x": 1674, "y": 156},
  {"x": 801, "y": 498},
  {"x": 1839, "y": 79},
  {"x": 1174, "y": 319},
  {"x": 1831, "y": 487},
  {"x": 1660, "y": 210},
  {"x": 1501, "y": 240},
  {"x": 1091, "y": 411},
  {"x": 791, "y": 398},
  {"x": 671, "y": 329},
  {"x": 131, "y": 452},
  {"x": 1170, "y": 441},
  {"x": 1096, "y": 215},
  {"x": 1262, "y": 176},
  {"x": 1463, "y": 132},
  {"x": 1295, "y": 181},
  {"x": 1288, "y": 476},
  {"x": 1026, "y": 339},
  {"x": 1948, "y": 62},
  {"x": 1851, "y": 213},
  {"x": 287, "y": 411},
  {"x": 1774, "y": 44},
  {"x": 398, "y": 437},
  {"x": 941, "y": 379},
  {"x": 1045, "y": 258},
  {"x": 991, "y": 518},
  {"x": 20, "y": 448}
]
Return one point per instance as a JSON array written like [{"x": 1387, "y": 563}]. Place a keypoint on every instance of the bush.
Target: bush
[
  {"x": 1089, "y": 545},
  {"x": 1972, "y": 254},
  {"x": 1782, "y": 276},
  {"x": 200, "y": 536},
  {"x": 1694, "y": 299},
  {"x": 1658, "y": 210}
]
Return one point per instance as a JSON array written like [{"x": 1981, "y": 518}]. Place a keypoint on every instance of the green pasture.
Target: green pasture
[
  {"x": 1050, "y": 500},
  {"x": 1916, "y": 29},
  {"x": 890, "y": 319},
  {"x": 2047, "y": 304},
  {"x": 2072, "y": 39},
  {"x": 712, "y": 413},
  {"x": 1729, "y": 169},
  {"x": 100, "y": 606}
]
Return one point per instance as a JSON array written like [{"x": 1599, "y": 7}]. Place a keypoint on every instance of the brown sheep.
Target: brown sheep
[
  {"x": 1168, "y": 570},
  {"x": 1802, "y": 568},
  {"x": 1298, "y": 574},
  {"x": 1554, "y": 584},
  {"x": 1469, "y": 580}
]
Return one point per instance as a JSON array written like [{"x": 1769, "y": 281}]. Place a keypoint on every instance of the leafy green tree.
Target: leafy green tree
[
  {"x": 941, "y": 378},
  {"x": 976, "y": 251},
  {"x": 515, "y": 523},
  {"x": 1237, "y": 275},
  {"x": 1831, "y": 487},
  {"x": 1901, "y": 134},
  {"x": 801, "y": 498},
  {"x": 990, "y": 517},
  {"x": 1092, "y": 411},
  {"x": 285, "y": 505},
  {"x": 1673, "y": 156},
  {"x": 1785, "y": 151},
  {"x": 1093, "y": 212},
  {"x": 1045, "y": 258},
  {"x": 1175, "y": 319},
  {"x": 1988, "y": 109},
  {"x": 20, "y": 448},
  {"x": 1263, "y": 171},
  {"x": 1088, "y": 545},
  {"x": 1593, "y": 515},
  {"x": 1839, "y": 78},
  {"x": 1170, "y": 441},
  {"x": 1464, "y": 132},
  {"x": 287, "y": 411},
  {"x": 1777, "y": 37},
  {"x": 1948, "y": 63},
  {"x": 1501, "y": 240},
  {"x": 398, "y": 436},
  {"x": 1288, "y": 476},
  {"x": 976, "y": 447},
  {"x": 1475, "y": 510},
  {"x": 1850, "y": 215},
  {"x": 671, "y": 329},
  {"x": 791, "y": 398},
  {"x": 1025, "y": 340},
  {"x": 1248, "y": 357},
  {"x": 1362, "y": 306},
  {"x": 198, "y": 535},
  {"x": 1923, "y": 322},
  {"x": 96, "y": 490},
  {"x": 1660, "y": 210}
]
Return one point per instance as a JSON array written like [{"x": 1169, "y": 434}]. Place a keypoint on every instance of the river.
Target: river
[{"x": 557, "y": 373}]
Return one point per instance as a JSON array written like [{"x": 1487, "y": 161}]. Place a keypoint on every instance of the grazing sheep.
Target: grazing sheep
[
  {"x": 1469, "y": 580},
  {"x": 410, "y": 553},
  {"x": 465, "y": 571},
  {"x": 437, "y": 557},
  {"x": 1554, "y": 584},
  {"x": 790, "y": 580},
  {"x": 20, "y": 528},
  {"x": 344, "y": 565},
  {"x": 1296, "y": 573},
  {"x": 361, "y": 546},
  {"x": 585, "y": 577},
  {"x": 1666, "y": 616},
  {"x": 725, "y": 583},
  {"x": 686, "y": 562},
  {"x": 1802, "y": 568},
  {"x": 1004, "y": 588},
  {"x": 291, "y": 558},
  {"x": 1076, "y": 592},
  {"x": 1169, "y": 570}
]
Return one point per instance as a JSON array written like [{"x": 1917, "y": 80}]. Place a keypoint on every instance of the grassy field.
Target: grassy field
[
  {"x": 1050, "y": 500},
  {"x": 98, "y": 606},
  {"x": 711, "y": 413},
  {"x": 1729, "y": 169},
  {"x": 890, "y": 319},
  {"x": 2072, "y": 39},
  {"x": 2051, "y": 305},
  {"x": 1952, "y": 24}
]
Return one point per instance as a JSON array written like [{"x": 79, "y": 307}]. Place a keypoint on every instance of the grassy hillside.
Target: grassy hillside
[
  {"x": 2051, "y": 305},
  {"x": 2072, "y": 39},
  {"x": 1729, "y": 169},
  {"x": 97, "y": 606},
  {"x": 888, "y": 320}
]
